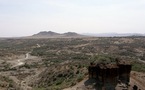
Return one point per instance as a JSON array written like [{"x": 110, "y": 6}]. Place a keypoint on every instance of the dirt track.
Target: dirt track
[
  {"x": 21, "y": 84},
  {"x": 20, "y": 62}
]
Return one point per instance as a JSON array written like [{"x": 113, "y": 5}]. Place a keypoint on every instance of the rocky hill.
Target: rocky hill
[
  {"x": 70, "y": 34},
  {"x": 50, "y": 34}
]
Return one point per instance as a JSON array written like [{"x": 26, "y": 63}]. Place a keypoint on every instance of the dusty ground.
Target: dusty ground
[
  {"x": 82, "y": 85},
  {"x": 138, "y": 78},
  {"x": 22, "y": 78}
]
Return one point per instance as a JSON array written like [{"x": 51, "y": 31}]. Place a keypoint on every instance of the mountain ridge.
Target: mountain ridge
[
  {"x": 67, "y": 34},
  {"x": 46, "y": 33},
  {"x": 51, "y": 34}
]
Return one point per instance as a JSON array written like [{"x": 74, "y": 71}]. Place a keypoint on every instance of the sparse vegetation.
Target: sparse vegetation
[
  {"x": 138, "y": 66},
  {"x": 64, "y": 61}
]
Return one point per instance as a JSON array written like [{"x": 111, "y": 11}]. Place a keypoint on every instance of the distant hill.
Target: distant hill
[
  {"x": 50, "y": 34},
  {"x": 70, "y": 34},
  {"x": 113, "y": 34},
  {"x": 45, "y": 33}
]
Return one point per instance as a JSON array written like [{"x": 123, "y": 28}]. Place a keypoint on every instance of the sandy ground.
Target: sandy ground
[
  {"x": 138, "y": 78},
  {"x": 79, "y": 85}
]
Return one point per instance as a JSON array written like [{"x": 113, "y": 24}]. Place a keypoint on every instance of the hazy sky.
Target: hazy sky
[{"x": 26, "y": 17}]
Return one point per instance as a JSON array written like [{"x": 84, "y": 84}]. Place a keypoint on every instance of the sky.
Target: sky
[{"x": 28, "y": 17}]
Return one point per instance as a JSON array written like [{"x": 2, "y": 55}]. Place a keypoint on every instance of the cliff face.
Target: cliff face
[{"x": 110, "y": 74}]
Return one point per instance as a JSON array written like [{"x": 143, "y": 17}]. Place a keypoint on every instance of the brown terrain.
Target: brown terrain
[
  {"x": 62, "y": 63},
  {"x": 137, "y": 78}
]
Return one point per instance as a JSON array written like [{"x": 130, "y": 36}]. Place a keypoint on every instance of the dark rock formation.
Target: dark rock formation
[{"x": 108, "y": 75}]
